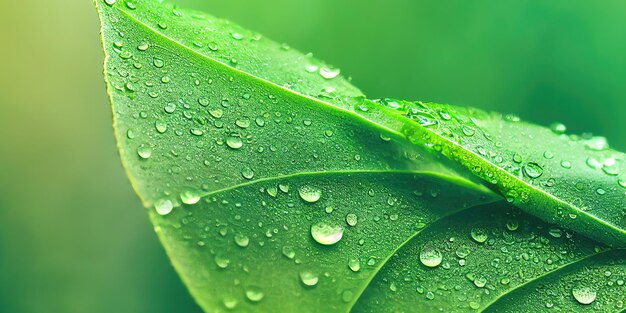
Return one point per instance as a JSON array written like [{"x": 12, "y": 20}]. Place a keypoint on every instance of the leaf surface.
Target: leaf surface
[
  {"x": 575, "y": 181},
  {"x": 239, "y": 163},
  {"x": 496, "y": 259},
  {"x": 275, "y": 186}
]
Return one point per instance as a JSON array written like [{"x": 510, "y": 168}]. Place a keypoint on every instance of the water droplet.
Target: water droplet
[
  {"x": 243, "y": 122},
  {"x": 230, "y": 302},
  {"x": 283, "y": 187},
  {"x": 109, "y": 2},
  {"x": 533, "y": 170},
  {"x": 170, "y": 108},
  {"x": 221, "y": 261},
  {"x": 430, "y": 257},
  {"x": 289, "y": 252},
  {"x": 558, "y": 128},
  {"x": 158, "y": 63},
  {"x": 308, "y": 278},
  {"x": 430, "y": 295},
  {"x": 144, "y": 152},
  {"x": 479, "y": 234},
  {"x": 254, "y": 294},
  {"x": 163, "y": 206},
  {"x": 351, "y": 219},
  {"x": 237, "y": 36},
  {"x": 247, "y": 173},
  {"x": 480, "y": 282},
  {"x": 234, "y": 142},
  {"x": 196, "y": 132},
  {"x": 329, "y": 73},
  {"x": 512, "y": 225},
  {"x": 189, "y": 197},
  {"x": 593, "y": 163},
  {"x": 517, "y": 158},
  {"x": 622, "y": 182},
  {"x": 600, "y": 191},
  {"x": 143, "y": 46},
  {"x": 468, "y": 131},
  {"x": 131, "y": 5},
  {"x": 160, "y": 126},
  {"x": 354, "y": 265},
  {"x": 566, "y": 164},
  {"x": 326, "y": 234},
  {"x": 309, "y": 194},
  {"x": 584, "y": 295},
  {"x": 555, "y": 232},
  {"x": 242, "y": 240}
]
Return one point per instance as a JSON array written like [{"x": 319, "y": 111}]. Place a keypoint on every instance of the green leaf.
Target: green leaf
[
  {"x": 504, "y": 261},
  {"x": 577, "y": 182},
  {"x": 231, "y": 163},
  {"x": 275, "y": 186}
]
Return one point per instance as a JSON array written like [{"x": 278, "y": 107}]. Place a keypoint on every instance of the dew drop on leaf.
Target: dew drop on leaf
[
  {"x": 533, "y": 170},
  {"x": 289, "y": 252},
  {"x": 308, "y": 278},
  {"x": 326, "y": 234},
  {"x": 309, "y": 193},
  {"x": 144, "y": 152},
  {"x": 247, "y": 173},
  {"x": 234, "y": 142},
  {"x": 430, "y": 256},
  {"x": 354, "y": 264},
  {"x": 584, "y": 295},
  {"x": 242, "y": 240},
  {"x": 221, "y": 261},
  {"x": 163, "y": 206},
  {"x": 329, "y": 73},
  {"x": 254, "y": 294},
  {"x": 479, "y": 234},
  {"x": 351, "y": 219},
  {"x": 189, "y": 197}
]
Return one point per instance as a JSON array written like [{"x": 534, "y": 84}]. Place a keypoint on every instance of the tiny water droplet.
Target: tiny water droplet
[
  {"x": 558, "y": 128},
  {"x": 326, "y": 234},
  {"x": 309, "y": 193},
  {"x": 354, "y": 265},
  {"x": 351, "y": 219}
]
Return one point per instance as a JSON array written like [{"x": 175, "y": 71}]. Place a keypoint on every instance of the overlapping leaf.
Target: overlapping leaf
[{"x": 276, "y": 187}]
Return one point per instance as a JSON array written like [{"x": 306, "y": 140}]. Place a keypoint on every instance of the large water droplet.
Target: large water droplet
[
  {"x": 189, "y": 197},
  {"x": 351, "y": 219},
  {"x": 254, "y": 294},
  {"x": 430, "y": 256},
  {"x": 163, "y": 206},
  {"x": 329, "y": 73},
  {"x": 309, "y": 193},
  {"x": 144, "y": 152},
  {"x": 479, "y": 234},
  {"x": 326, "y": 234},
  {"x": 242, "y": 240},
  {"x": 308, "y": 278},
  {"x": 533, "y": 170},
  {"x": 584, "y": 295},
  {"x": 234, "y": 142}
]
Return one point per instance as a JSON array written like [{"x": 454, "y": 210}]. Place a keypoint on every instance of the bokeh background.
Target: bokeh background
[{"x": 73, "y": 236}]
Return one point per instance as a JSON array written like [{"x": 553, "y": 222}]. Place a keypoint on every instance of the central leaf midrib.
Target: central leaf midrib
[{"x": 531, "y": 187}]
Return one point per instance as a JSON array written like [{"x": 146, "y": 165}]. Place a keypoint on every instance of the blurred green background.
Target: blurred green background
[{"x": 73, "y": 236}]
